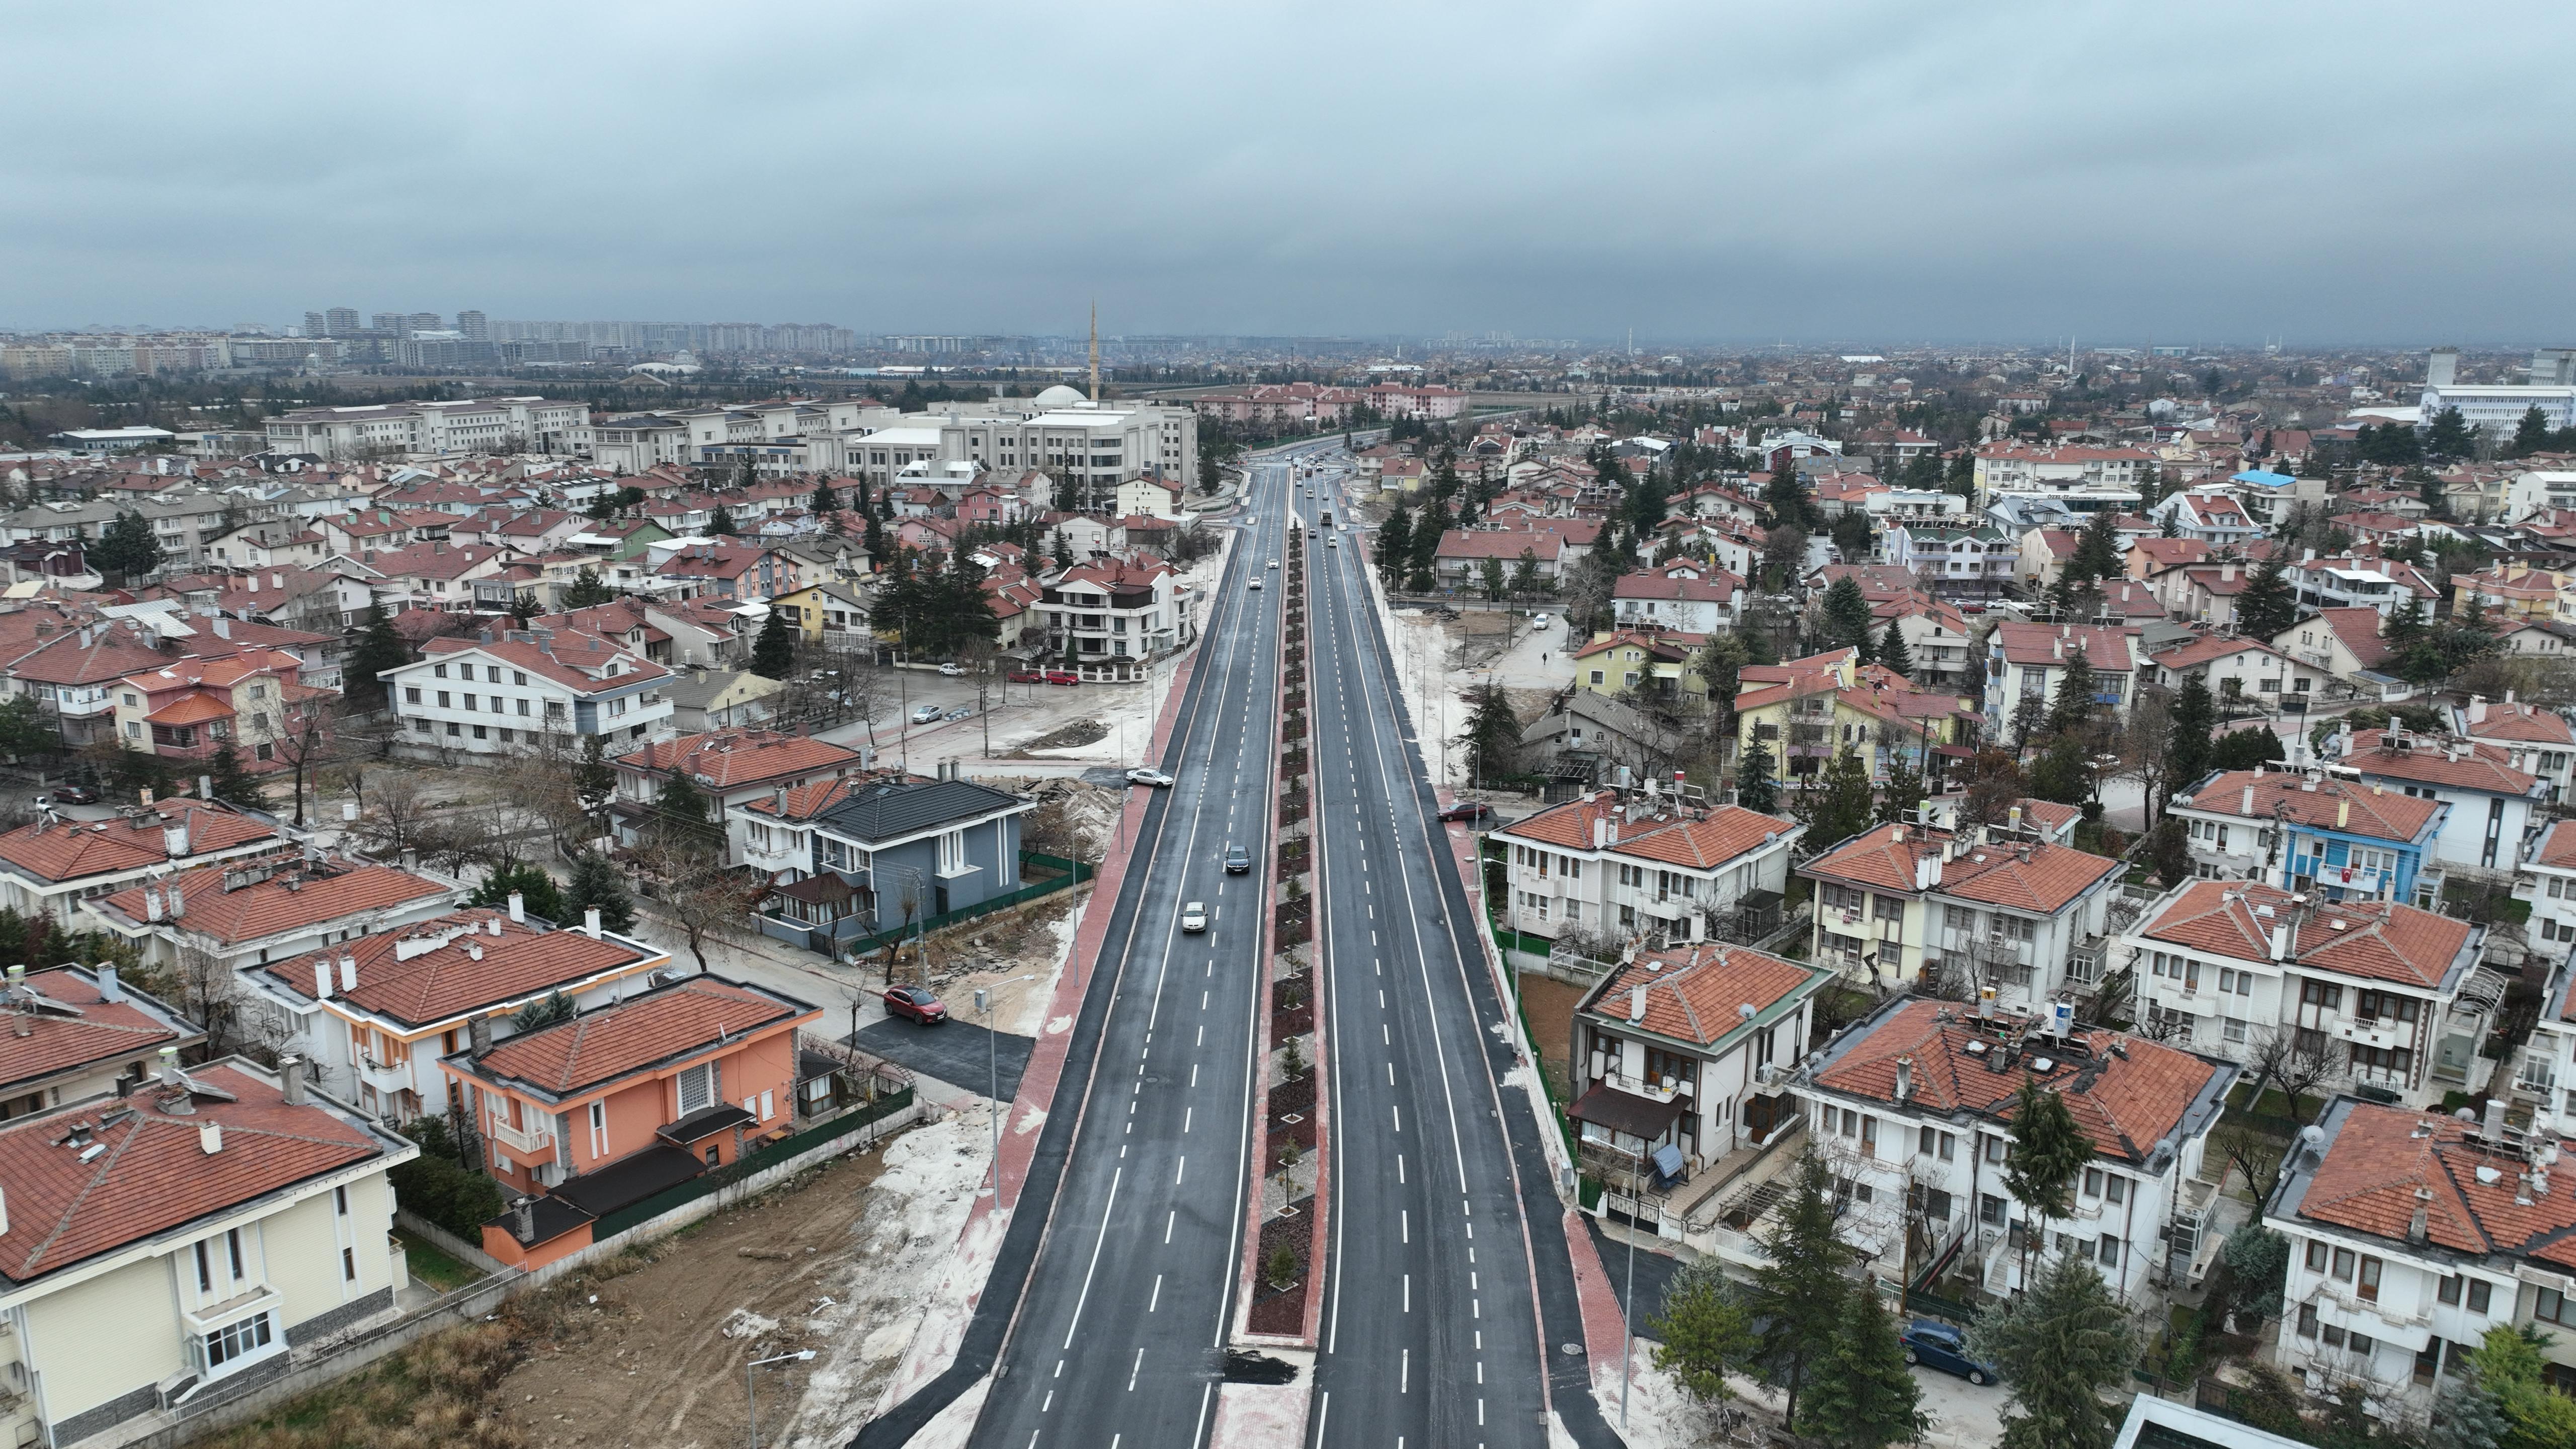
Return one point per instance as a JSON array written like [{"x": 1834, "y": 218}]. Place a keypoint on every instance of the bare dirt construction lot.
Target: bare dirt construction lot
[{"x": 827, "y": 1262}]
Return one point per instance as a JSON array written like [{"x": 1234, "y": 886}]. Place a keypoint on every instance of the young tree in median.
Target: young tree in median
[
  {"x": 1493, "y": 732},
  {"x": 1860, "y": 1394},
  {"x": 2060, "y": 1343},
  {"x": 1801, "y": 1290},
  {"x": 773, "y": 654}
]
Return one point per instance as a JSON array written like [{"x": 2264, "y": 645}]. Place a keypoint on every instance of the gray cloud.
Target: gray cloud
[{"x": 2183, "y": 171}]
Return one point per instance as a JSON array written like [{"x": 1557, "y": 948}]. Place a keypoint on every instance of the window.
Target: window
[
  {"x": 340, "y": 1200},
  {"x": 234, "y": 1340},
  {"x": 1996, "y": 1148},
  {"x": 2368, "y": 1288},
  {"x": 492, "y": 673},
  {"x": 1936, "y": 1143},
  {"x": 2481, "y": 1294},
  {"x": 1990, "y": 1210},
  {"x": 205, "y": 1270},
  {"x": 2325, "y": 996},
  {"x": 2550, "y": 1306},
  {"x": 2307, "y": 1320},
  {"x": 2233, "y": 1030},
  {"x": 599, "y": 1129},
  {"x": 420, "y": 726},
  {"x": 349, "y": 1265},
  {"x": 411, "y": 694},
  {"x": 697, "y": 1088},
  {"x": 2109, "y": 1252},
  {"x": 233, "y": 1252},
  {"x": 2344, "y": 1258},
  {"x": 439, "y": 669},
  {"x": 518, "y": 677}
]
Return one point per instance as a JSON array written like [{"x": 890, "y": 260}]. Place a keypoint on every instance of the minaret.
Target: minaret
[{"x": 1095, "y": 351}]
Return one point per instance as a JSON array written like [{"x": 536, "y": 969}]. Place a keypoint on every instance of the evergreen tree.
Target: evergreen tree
[
  {"x": 1847, "y": 617},
  {"x": 378, "y": 649},
  {"x": 1860, "y": 1394},
  {"x": 2267, "y": 606},
  {"x": 680, "y": 814},
  {"x": 2059, "y": 773},
  {"x": 1525, "y": 579},
  {"x": 1395, "y": 547},
  {"x": 1704, "y": 1332},
  {"x": 1489, "y": 577},
  {"x": 2073, "y": 704},
  {"x": 2405, "y": 623},
  {"x": 1755, "y": 789},
  {"x": 773, "y": 654},
  {"x": 128, "y": 548},
  {"x": 1786, "y": 496},
  {"x": 1493, "y": 732},
  {"x": 2049, "y": 1151},
  {"x": 2246, "y": 748},
  {"x": 2531, "y": 435},
  {"x": 596, "y": 883},
  {"x": 1844, "y": 806},
  {"x": 873, "y": 539},
  {"x": 1893, "y": 653},
  {"x": 2465, "y": 1415},
  {"x": 1904, "y": 791},
  {"x": 586, "y": 589},
  {"x": 226, "y": 779},
  {"x": 1427, "y": 531},
  {"x": 2195, "y": 717},
  {"x": 1063, "y": 550},
  {"x": 538, "y": 894},
  {"x": 25, "y": 731},
  {"x": 721, "y": 526},
  {"x": 2060, "y": 1343},
  {"x": 1962, "y": 475},
  {"x": 824, "y": 500},
  {"x": 2449, "y": 437},
  {"x": 1801, "y": 1290},
  {"x": 2097, "y": 551},
  {"x": 594, "y": 781}
]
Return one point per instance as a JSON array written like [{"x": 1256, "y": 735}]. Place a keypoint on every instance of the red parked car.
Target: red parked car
[
  {"x": 1062, "y": 676},
  {"x": 915, "y": 1003},
  {"x": 1025, "y": 676}
]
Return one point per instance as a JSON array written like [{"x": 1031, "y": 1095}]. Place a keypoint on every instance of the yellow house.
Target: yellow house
[
  {"x": 817, "y": 608},
  {"x": 1627, "y": 661},
  {"x": 1806, "y": 711},
  {"x": 2517, "y": 593}
]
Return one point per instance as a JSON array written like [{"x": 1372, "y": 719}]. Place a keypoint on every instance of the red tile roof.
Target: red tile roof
[
  {"x": 2432, "y": 760},
  {"x": 1694, "y": 993},
  {"x": 155, "y": 1174},
  {"x": 575, "y": 660},
  {"x": 732, "y": 758},
  {"x": 2126, "y": 1101},
  {"x": 696, "y": 1016},
  {"x": 2034, "y": 876},
  {"x": 2380, "y": 813},
  {"x": 103, "y": 847},
  {"x": 1690, "y": 839},
  {"x": 290, "y": 898},
  {"x": 119, "y": 1031},
  {"x": 2377, "y": 1159},
  {"x": 2526, "y": 723},
  {"x": 2373, "y": 940},
  {"x": 2107, "y": 650},
  {"x": 446, "y": 980},
  {"x": 2558, "y": 847}
]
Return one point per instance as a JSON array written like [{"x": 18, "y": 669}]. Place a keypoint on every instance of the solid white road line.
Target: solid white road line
[{"x": 1103, "y": 1236}]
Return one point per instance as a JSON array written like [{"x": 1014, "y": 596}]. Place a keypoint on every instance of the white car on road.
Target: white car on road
[
  {"x": 925, "y": 713},
  {"x": 1538, "y": 621},
  {"x": 1194, "y": 916},
  {"x": 1142, "y": 775}
]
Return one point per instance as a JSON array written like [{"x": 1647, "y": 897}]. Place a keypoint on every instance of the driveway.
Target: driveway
[
  {"x": 956, "y": 1052},
  {"x": 1964, "y": 1415},
  {"x": 1654, "y": 1273}
]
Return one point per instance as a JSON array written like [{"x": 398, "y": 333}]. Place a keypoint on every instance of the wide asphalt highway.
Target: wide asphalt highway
[
  {"x": 1448, "y": 1251},
  {"x": 1120, "y": 1331}
]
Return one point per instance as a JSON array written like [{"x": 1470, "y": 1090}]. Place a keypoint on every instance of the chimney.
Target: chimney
[
  {"x": 290, "y": 1079},
  {"x": 178, "y": 901},
  {"x": 152, "y": 903},
  {"x": 2012, "y": 818},
  {"x": 1600, "y": 832},
  {"x": 277, "y": 581},
  {"x": 321, "y": 978},
  {"x": 109, "y": 990},
  {"x": 2494, "y": 1124},
  {"x": 348, "y": 973},
  {"x": 174, "y": 838},
  {"x": 1904, "y": 1078},
  {"x": 205, "y": 787},
  {"x": 2246, "y": 807},
  {"x": 590, "y": 922},
  {"x": 411, "y": 859},
  {"x": 478, "y": 1035},
  {"x": 254, "y": 583},
  {"x": 210, "y": 1137},
  {"x": 2281, "y": 942},
  {"x": 523, "y": 1212},
  {"x": 2227, "y": 572},
  {"x": 2343, "y": 813},
  {"x": 1636, "y": 1003},
  {"x": 2416, "y": 1225},
  {"x": 223, "y": 627},
  {"x": 2477, "y": 709}
]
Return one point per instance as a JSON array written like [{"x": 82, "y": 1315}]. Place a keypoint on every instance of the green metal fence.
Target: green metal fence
[{"x": 744, "y": 1166}]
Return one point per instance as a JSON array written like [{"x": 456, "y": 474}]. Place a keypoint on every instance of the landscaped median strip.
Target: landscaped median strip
[{"x": 1285, "y": 1254}]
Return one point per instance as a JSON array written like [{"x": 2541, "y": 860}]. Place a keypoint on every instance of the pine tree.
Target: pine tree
[
  {"x": 586, "y": 589},
  {"x": 2059, "y": 1344},
  {"x": 1493, "y": 732},
  {"x": 2049, "y": 1151},
  {"x": 1844, "y": 806},
  {"x": 681, "y": 812},
  {"x": 378, "y": 649},
  {"x": 2059, "y": 773},
  {"x": 1847, "y": 616},
  {"x": 1704, "y": 1332},
  {"x": 1903, "y": 793},
  {"x": 2449, "y": 436},
  {"x": 1860, "y": 1394},
  {"x": 1755, "y": 789},
  {"x": 1063, "y": 550},
  {"x": 127, "y": 548},
  {"x": 874, "y": 541},
  {"x": 2097, "y": 551},
  {"x": 824, "y": 500},
  {"x": 596, "y": 883},
  {"x": 1892, "y": 651},
  {"x": 2404, "y": 624},
  {"x": 594, "y": 780},
  {"x": 773, "y": 654},
  {"x": 2195, "y": 718},
  {"x": 2267, "y": 606},
  {"x": 1801, "y": 1290},
  {"x": 226, "y": 780},
  {"x": 2073, "y": 704},
  {"x": 1395, "y": 546},
  {"x": 538, "y": 894},
  {"x": 721, "y": 526}
]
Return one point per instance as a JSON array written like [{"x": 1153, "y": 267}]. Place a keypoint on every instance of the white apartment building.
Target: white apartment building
[
  {"x": 2492, "y": 804},
  {"x": 1910, "y": 1105},
  {"x": 2015, "y": 465},
  {"x": 1646, "y": 864},
  {"x": 2536, "y": 741},
  {"x": 492, "y": 696},
  {"x": 2394, "y": 994},
  {"x": 1108, "y": 619},
  {"x": 504, "y": 424},
  {"x": 1999, "y": 909},
  {"x": 2411, "y": 1236},
  {"x": 2547, "y": 879}
]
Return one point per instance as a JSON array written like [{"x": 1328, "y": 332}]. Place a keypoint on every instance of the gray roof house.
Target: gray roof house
[{"x": 899, "y": 853}]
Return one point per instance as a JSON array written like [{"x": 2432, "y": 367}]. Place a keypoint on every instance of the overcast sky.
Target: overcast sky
[{"x": 1868, "y": 174}]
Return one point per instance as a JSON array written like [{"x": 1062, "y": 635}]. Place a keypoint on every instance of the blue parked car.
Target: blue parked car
[{"x": 1945, "y": 1348}]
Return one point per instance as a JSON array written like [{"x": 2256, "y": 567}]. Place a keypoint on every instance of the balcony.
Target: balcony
[
  {"x": 385, "y": 1078},
  {"x": 527, "y": 1143}
]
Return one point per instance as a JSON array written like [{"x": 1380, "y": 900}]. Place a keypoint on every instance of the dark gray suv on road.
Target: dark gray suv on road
[{"x": 1237, "y": 860}]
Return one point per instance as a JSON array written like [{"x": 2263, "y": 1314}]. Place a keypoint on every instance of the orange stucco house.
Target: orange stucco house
[{"x": 623, "y": 1101}]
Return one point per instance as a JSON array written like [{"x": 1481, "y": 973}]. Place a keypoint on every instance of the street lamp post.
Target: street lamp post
[
  {"x": 802, "y": 1355},
  {"x": 993, "y": 1082}
]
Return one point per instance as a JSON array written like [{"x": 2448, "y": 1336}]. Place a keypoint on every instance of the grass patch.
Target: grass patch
[{"x": 430, "y": 1265}]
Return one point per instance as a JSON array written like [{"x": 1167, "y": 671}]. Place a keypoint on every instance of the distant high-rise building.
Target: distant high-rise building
[
  {"x": 423, "y": 322},
  {"x": 473, "y": 325},
  {"x": 339, "y": 321},
  {"x": 387, "y": 322},
  {"x": 315, "y": 325}
]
